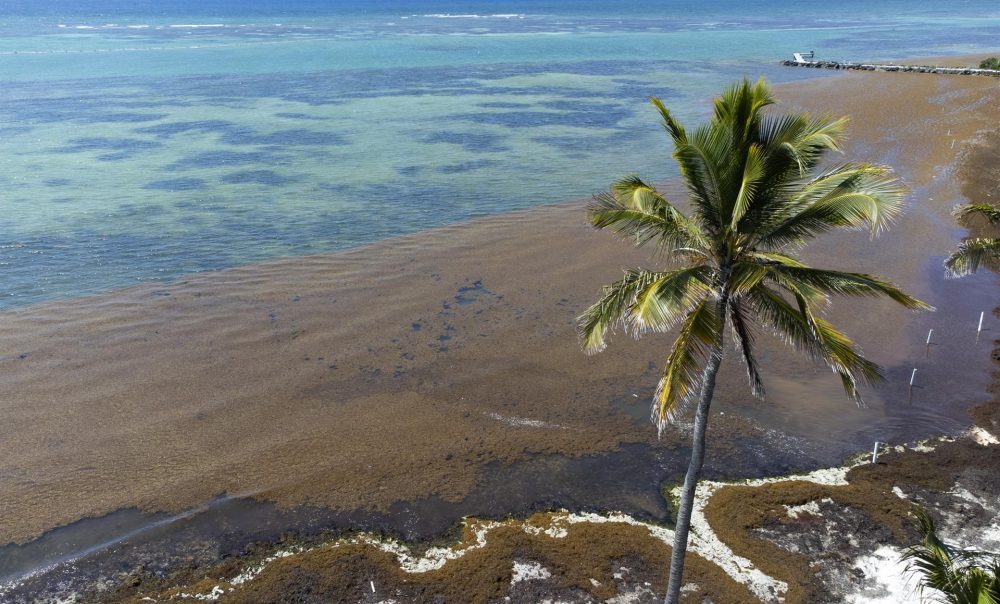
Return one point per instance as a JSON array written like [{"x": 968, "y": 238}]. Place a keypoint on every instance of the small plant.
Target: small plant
[
  {"x": 961, "y": 576},
  {"x": 990, "y": 63}
]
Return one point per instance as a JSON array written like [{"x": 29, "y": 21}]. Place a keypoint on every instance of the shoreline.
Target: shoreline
[
  {"x": 858, "y": 483},
  {"x": 454, "y": 299}
]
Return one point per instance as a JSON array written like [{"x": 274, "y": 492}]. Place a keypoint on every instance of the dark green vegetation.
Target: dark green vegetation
[
  {"x": 962, "y": 576},
  {"x": 977, "y": 251},
  {"x": 755, "y": 196},
  {"x": 990, "y": 63}
]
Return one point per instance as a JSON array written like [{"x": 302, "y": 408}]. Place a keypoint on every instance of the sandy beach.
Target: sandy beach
[{"x": 423, "y": 367}]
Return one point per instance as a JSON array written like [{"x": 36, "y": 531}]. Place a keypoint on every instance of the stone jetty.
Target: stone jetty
[{"x": 799, "y": 61}]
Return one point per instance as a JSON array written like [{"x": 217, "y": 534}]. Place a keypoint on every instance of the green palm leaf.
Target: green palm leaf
[
  {"x": 814, "y": 336},
  {"x": 969, "y": 210},
  {"x": 740, "y": 317},
  {"x": 683, "y": 372},
  {"x": 611, "y": 308},
  {"x": 848, "y": 196},
  {"x": 662, "y": 303},
  {"x": 960, "y": 576},
  {"x": 841, "y": 283},
  {"x": 638, "y": 212},
  {"x": 972, "y": 254}
]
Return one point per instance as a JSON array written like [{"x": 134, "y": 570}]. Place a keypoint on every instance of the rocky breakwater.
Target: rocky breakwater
[{"x": 892, "y": 67}]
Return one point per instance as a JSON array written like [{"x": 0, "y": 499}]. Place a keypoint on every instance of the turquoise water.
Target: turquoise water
[{"x": 141, "y": 141}]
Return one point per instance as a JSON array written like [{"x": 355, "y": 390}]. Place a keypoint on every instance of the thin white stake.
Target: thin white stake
[
  {"x": 981, "y": 321},
  {"x": 929, "y": 334},
  {"x": 952, "y": 143},
  {"x": 373, "y": 586},
  {"x": 875, "y": 452},
  {"x": 913, "y": 376}
]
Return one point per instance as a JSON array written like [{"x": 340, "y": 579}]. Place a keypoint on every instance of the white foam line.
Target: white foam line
[
  {"x": 435, "y": 557},
  {"x": 702, "y": 539},
  {"x": 521, "y": 422},
  {"x": 252, "y": 572},
  {"x": 144, "y": 48}
]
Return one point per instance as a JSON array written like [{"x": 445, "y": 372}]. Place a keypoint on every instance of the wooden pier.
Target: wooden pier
[{"x": 800, "y": 60}]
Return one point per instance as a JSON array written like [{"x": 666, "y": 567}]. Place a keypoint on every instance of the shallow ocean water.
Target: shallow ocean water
[{"x": 142, "y": 141}]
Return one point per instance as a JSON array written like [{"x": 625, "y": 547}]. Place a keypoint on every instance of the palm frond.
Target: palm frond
[
  {"x": 842, "y": 283},
  {"x": 744, "y": 276},
  {"x": 611, "y": 308},
  {"x": 671, "y": 125},
  {"x": 968, "y": 210},
  {"x": 740, "y": 105},
  {"x": 754, "y": 170},
  {"x": 814, "y": 336},
  {"x": 637, "y": 212},
  {"x": 698, "y": 337},
  {"x": 973, "y": 254},
  {"x": 807, "y": 139},
  {"x": 853, "y": 196},
  {"x": 932, "y": 558},
  {"x": 743, "y": 335},
  {"x": 662, "y": 303},
  {"x": 699, "y": 162},
  {"x": 794, "y": 144},
  {"x": 961, "y": 576},
  {"x": 762, "y": 263}
]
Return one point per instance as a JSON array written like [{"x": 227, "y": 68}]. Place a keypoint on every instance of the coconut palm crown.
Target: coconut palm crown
[
  {"x": 755, "y": 195},
  {"x": 979, "y": 251}
]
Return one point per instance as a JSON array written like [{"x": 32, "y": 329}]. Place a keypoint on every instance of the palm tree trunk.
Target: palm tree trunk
[{"x": 683, "y": 524}]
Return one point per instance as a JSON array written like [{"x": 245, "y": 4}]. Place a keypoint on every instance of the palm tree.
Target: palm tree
[
  {"x": 961, "y": 576},
  {"x": 980, "y": 251},
  {"x": 755, "y": 197}
]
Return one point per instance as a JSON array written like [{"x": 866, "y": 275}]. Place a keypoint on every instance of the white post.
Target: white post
[
  {"x": 913, "y": 376},
  {"x": 373, "y": 586},
  {"x": 929, "y": 334},
  {"x": 875, "y": 452},
  {"x": 980, "y": 321}
]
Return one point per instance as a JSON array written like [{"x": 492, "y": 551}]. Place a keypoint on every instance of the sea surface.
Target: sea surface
[{"x": 143, "y": 140}]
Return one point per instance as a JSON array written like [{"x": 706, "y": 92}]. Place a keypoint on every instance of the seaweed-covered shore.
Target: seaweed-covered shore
[{"x": 827, "y": 536}]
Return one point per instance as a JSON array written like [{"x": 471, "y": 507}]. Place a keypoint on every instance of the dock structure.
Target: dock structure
[{"x": 801, "y": 59}]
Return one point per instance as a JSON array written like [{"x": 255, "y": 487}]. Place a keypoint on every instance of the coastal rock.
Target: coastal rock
[{"x": 893, "y": 68}]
